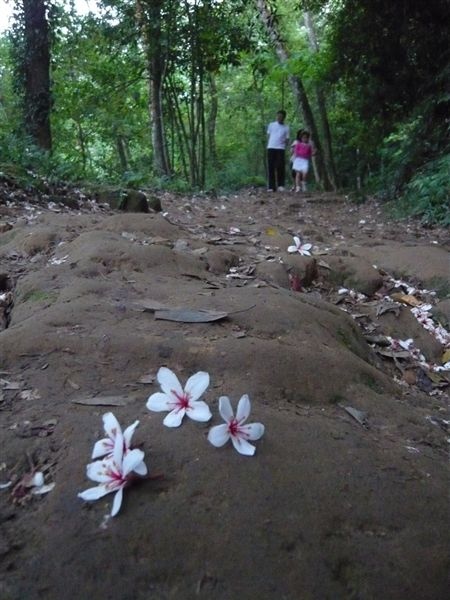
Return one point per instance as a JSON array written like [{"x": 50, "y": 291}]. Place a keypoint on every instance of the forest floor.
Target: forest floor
[{"x": 346, "y": 496}]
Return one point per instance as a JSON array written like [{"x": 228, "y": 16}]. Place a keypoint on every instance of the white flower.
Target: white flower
[
  {"x": 234, "y": 427},
  {"x": 303, "y": 249},
  {"x": 180, "y": 401},
  {"x": 105, "y": 447},
  {"x": 113, "y": 473}
]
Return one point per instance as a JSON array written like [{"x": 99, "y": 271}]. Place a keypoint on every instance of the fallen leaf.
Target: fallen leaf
[
  {"x": 101, "y": 401},
  {"x": 358, "y": 415},
  {"x": 445, "y": 357},
  {"x": 186, "y": 315},
  {"x": 390, "y": 353},
  {"x": 406, "y": 299}
]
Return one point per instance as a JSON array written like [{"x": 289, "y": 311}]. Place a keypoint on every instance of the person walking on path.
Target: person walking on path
[
  {"x": 278, "y": 134},
  {"x": 302, "y": 153}
]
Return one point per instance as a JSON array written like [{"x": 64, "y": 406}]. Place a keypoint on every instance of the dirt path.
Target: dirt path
[{"x": 347, "y": 494}]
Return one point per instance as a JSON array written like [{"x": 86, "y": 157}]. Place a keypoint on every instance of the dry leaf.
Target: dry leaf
[
  {"x": 186, "y": 315},
  {"x": 358, "y": 415},
  {"x": 102, "y": 401},
  {"x": 406, "y": 299}
]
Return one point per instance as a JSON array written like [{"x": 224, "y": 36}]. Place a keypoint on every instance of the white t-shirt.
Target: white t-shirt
[{"x": 278, "y": 135}]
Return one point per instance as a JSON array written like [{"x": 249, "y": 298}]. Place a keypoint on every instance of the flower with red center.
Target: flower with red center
[
  {"x": 113, "y": 473},
  {"x": 105, "y": 446},
  {"x": 234, "y": 427},
  {"x": 300, "y": 247},
  {"x": 179, "y": 401}
]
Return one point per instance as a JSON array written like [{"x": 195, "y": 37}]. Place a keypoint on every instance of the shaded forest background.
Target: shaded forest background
[{"x": 178, "y": 94}]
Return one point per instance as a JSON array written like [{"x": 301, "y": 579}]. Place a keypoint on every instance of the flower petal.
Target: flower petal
[
  {"x": 117, "y": 502},
  {"x": 102, "y": 447},
  {"x": 141, "y": 469},
  {"x": 174, "y": 418},
  {"x": 304, "y": 252},
  {"x": 111, "y": 425},
  {"x": 128, "y": 433},
  {"x": 226, "y": 412},
  {"x": 219, "y": 435},
  {"x": 94, "y": 493},
  {"x": 97, "y": 471},
  {"x": 307, "y": 246},
  {"x": 243, "y": 409},
  {"x": 117, "y": 455},
  {"x": 159, "y": 402},
  {"x": 132, "y": 459},
  {"x": 242, "y": 446},
  {"x": 253, "y": 431},
  {"x": 169, "y": 381},
  {"x": 199, "y": 411},
  {"x": 292, "y": 249},
  {"x": 297, "y": 241},
  {"x": 196, "y": 385}
]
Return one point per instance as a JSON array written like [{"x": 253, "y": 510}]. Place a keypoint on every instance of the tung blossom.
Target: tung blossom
[
  {"x": 105, "y": 447},
  {"x": 114, "y": 473},
  {"x": 234, "y": 427},
  {"x": 179, "y": 401},
  {"x": 303, "y": 249}
]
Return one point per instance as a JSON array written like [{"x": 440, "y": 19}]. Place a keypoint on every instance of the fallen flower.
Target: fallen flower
[
  {"x": 180, "y": 401},
  {"x": 303, "y": 249},
  {"x": 235, "y": 428},
  {"x": 112, "y": 428},
  {"x": 113, "y": 474}
]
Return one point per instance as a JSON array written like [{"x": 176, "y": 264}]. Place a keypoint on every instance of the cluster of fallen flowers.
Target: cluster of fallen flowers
[{"x": 119, "y": 464}]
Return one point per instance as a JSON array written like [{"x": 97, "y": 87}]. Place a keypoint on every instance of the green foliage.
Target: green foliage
[{"x": 427, "y": 194}]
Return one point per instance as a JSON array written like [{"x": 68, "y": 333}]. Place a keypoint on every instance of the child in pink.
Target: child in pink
[{"x": 302, "y": 153}]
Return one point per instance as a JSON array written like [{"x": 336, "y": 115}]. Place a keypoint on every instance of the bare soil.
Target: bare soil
[{"x": 327, "y": 508}]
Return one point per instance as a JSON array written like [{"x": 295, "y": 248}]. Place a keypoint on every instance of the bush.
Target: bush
[{"x": 427, "y": 194}]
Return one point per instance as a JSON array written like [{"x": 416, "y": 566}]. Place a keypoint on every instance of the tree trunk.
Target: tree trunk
[
  {"x": 149, "y": 18},
  {"x": 37, "y": 73},
  {"x": 270, "y": 23},
  {"x": 212, "y": 120},
  {"x": 321, "y": 106}
]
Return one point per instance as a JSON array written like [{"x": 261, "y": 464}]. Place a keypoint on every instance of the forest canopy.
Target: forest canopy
[{"x": 178, "y": 94}]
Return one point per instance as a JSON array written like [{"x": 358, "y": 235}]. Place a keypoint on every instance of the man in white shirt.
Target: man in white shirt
[{"x": 278, "y": 134}]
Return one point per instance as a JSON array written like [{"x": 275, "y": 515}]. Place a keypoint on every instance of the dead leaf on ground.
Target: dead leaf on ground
[
  {"x": 185, "y": 315},
  {"x": 406, "y": 299},
  {"x": 102, "y": 401},
  {"x": 391, "y": 353},
  {"x": 359, "y": 415}
]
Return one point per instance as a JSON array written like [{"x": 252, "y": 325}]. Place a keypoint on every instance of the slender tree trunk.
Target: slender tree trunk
[
  {"x": 37, "y": 73},
  {"x": 212, "y": 120},
  {"x": 322, "y": 107},
  {"x": 270, "y": 23},
  {"x": 149, "y": 18},
  {"x": 122, "y": 152}
]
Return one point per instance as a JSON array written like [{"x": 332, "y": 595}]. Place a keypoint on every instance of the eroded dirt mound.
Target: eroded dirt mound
[{"x": 346, "y": 495}]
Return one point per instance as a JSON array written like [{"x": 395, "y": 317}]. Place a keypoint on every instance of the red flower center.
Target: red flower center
[
  {"x": 233, "y": 427},
  {"x": 183, "y": 399}
]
